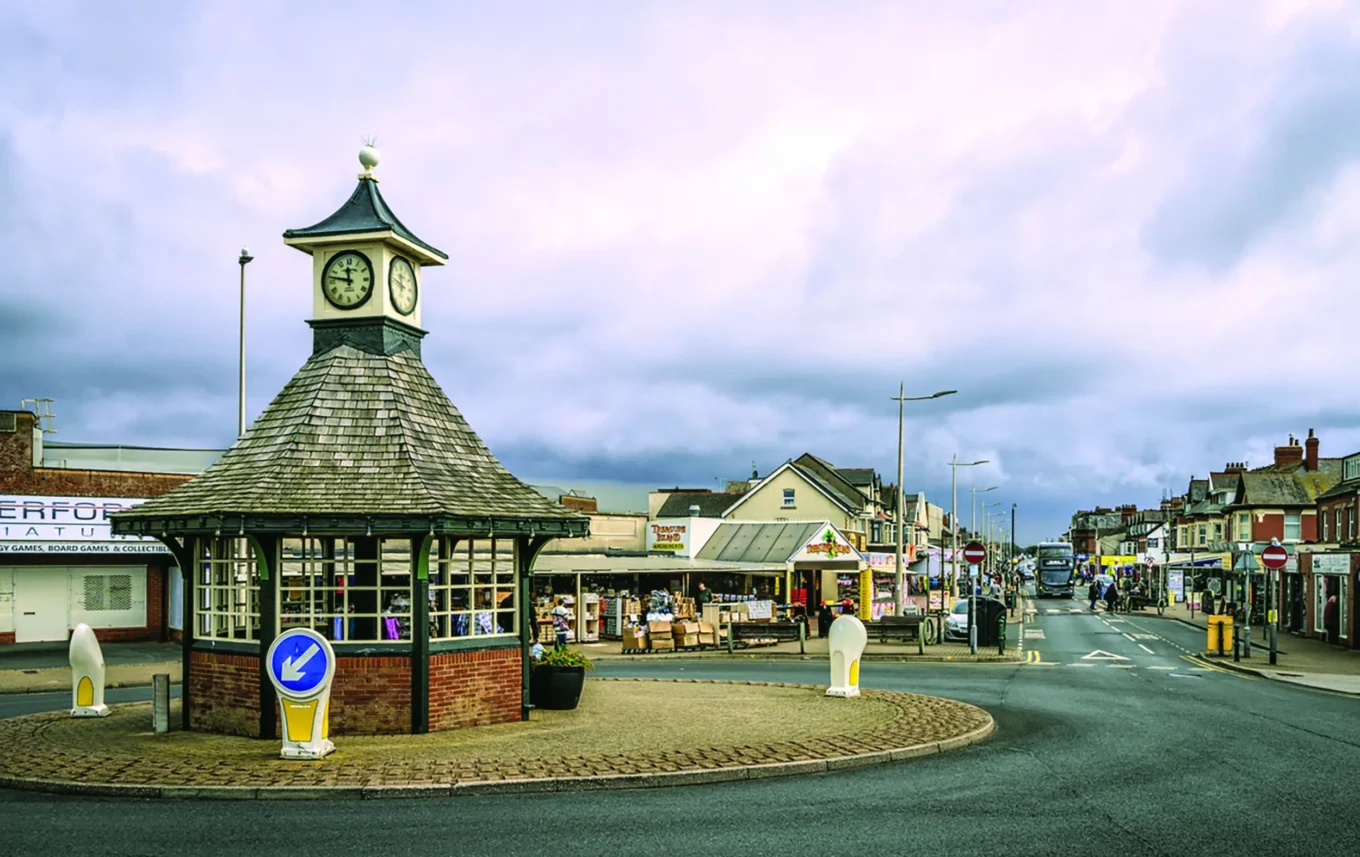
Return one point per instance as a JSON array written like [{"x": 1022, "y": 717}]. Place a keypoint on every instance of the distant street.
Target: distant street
[{"x": 1113, "y": 742}]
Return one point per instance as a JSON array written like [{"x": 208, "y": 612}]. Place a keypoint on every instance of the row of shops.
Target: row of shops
[{"x": 61, "y": 566}]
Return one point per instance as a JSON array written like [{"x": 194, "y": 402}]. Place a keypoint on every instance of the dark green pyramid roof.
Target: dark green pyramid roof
[
  {"x": 356, "y": 433},
  {"x": 364, "y": 211}
]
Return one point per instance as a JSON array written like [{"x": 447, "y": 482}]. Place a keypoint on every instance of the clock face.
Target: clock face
[
  {"x": 347, "y": 279},
  {"x": 401, "y": 284}
]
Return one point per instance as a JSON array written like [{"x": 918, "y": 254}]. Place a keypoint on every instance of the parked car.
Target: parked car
[{"x": 956, "y": 623}]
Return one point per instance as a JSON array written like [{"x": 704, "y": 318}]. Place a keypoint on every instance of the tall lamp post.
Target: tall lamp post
[
  {"x": 244, "y": 259},
  {"x": 989, "y": 537},
  {"x": 900, "y": 579},
  {"x": 953, "y": 532}
]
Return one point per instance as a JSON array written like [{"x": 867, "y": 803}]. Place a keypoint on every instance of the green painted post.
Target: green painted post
[
  {"x": 802, "y": 638},
  {"x": 729, "y": 635}
]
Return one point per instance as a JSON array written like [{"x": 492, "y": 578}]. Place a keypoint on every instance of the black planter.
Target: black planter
[{"x": 556, "y": 688}]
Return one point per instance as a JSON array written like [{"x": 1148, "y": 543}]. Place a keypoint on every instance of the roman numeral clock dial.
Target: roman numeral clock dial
[{"x": 347, "y": 279}]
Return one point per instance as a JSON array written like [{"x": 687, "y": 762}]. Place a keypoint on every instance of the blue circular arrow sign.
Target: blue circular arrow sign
[{"x": 301, "y": 663}]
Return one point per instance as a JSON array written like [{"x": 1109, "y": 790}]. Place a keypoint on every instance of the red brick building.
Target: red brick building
[{"x": 59, "y": 563}]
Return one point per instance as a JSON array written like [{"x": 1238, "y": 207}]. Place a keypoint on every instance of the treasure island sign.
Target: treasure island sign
[
  {"x": 668, "y": 537},
  {"x": 830, "y": 546}
]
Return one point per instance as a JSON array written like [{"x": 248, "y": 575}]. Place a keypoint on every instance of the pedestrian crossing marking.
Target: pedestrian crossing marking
[
  {"x": 1034, "y": 634},
  {"x": 1074, "y": 610},
  {"x": 1145, "y": 637},
  {"x": 1168, "y": 669},
  {"x": 1051, "y": 610},
  {"x": 1081, "y": 665},
  {"x": 1120, "y": 666},
  {"x": 1101, "y": 655}
]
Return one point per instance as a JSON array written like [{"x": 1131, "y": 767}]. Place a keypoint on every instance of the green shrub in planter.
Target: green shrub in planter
[{"x": 563, "y": 658}]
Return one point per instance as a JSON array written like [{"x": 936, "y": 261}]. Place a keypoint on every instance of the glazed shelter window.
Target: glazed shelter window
[
  {"x": 1293, "y": 526},
  {"x": 472, "y": 588},
  {"x": 347, "y": 589},
  {"x": 227, "y": 604}
]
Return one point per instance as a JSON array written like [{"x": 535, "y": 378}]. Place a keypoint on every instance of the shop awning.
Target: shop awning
[{"x": 652, "y": 564}]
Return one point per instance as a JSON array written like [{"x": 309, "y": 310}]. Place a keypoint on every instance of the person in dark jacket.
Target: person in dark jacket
[
  {"x": 1093, "y": 594},
  {"x": 824, "y": 619},
  {"x": 1112, "y": 597}
]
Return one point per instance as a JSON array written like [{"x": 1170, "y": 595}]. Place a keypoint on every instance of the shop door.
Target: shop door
[{"x": 40, "y": 605}]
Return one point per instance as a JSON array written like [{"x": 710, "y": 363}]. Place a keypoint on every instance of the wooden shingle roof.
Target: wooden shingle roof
[{"x": 359, "y": 433}]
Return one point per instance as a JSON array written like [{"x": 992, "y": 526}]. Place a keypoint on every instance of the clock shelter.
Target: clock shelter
[{"x": 362, "y": 505}]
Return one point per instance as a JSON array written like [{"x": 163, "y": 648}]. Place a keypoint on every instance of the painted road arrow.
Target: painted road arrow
[{"x": 1100, "y": 655}]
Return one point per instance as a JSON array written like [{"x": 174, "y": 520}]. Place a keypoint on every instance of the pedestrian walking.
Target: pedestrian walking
[
  {"x": 1093, "y": 594},
  {"x": 1112, "y": 598}
]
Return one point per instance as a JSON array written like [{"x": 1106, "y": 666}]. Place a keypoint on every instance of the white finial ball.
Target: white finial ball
[{"x": 368, "y": 157}]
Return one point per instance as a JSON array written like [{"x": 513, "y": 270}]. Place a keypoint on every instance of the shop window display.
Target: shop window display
[
  {"x": 227, "y": 603},
  {"x": 472, "y": 588}
]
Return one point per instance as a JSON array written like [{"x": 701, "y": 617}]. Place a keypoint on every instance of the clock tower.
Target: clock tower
[{"x": 366, "y": 271}]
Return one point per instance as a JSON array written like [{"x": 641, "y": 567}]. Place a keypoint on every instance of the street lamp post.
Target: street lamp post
[
  {"x": 244, "y": 259},
  {"x": 953, "y": 535},
  {"x": 900, "y": 577}
]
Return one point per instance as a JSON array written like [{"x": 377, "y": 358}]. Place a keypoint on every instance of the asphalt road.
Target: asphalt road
[{"x": 1113, "y": 742}]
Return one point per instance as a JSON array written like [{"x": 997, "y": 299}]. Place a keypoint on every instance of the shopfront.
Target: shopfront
[
  {"x": 60, "y": 567},
  {"x": 1331, "y": 601}
]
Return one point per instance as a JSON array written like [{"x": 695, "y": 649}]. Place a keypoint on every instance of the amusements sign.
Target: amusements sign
[{"x": 668, "y": 537}]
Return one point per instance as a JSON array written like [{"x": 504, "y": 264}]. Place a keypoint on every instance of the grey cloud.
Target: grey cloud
[{"x": 1240, "y": 189}]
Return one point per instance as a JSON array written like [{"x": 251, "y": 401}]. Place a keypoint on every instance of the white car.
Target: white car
[{"x": 956, "y": 623}]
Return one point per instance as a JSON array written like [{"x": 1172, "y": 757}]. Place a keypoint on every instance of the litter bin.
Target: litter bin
[
  {"x": 1010, "y": 599},
  {"x": 990, "y": 613},
  {"x": 1220, "y": 634}
]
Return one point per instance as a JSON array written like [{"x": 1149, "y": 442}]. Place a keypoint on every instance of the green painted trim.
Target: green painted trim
[
  {"x": 230, "y": 647},
  {"x": 261, "y": 556},
  {"x": 423, "y": 558}
]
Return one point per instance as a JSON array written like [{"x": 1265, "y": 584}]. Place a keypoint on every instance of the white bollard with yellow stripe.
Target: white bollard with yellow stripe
[
  {"x": 301, "y": 665},
  {"x": 87, "y": 674},
  {"x": 846, "y": 641}
]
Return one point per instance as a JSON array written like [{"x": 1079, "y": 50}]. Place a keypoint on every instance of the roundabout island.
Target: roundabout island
[{"x": 626, "y": 733}]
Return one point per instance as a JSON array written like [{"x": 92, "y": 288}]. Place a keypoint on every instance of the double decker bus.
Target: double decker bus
[{"x": 1055, "y": 570}]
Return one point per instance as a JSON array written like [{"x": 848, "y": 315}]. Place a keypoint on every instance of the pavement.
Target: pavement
[
  {"x": 1111, "y": 742},
  {"x": 1299, "y": 660},
  {"x": 697, "y": 739},
  {"x": 44, "y": 667}
]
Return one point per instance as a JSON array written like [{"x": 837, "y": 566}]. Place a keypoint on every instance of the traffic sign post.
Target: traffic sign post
[
  {"x": 301, "y": 665},
  {"x": 1273, "y": 558},
  {"x": 973, "y": 554}
]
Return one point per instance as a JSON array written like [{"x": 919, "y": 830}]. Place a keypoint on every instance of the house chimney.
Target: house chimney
[
  {"x": 1290, "y": 454},
  {"x": 1311, "y": 444}
]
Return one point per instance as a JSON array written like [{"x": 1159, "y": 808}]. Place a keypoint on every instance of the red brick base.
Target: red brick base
[
  {"x": 368, "y": 695},
  {"x": 475, "y": 688},
  {"x": 6, "y": 637},
  {"x": 224, "y": 693}
]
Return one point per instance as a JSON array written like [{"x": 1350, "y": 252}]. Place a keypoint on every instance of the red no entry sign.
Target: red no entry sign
[
  {"x": 1274, "y": 557},
  {"x": 974, "y": 553}
]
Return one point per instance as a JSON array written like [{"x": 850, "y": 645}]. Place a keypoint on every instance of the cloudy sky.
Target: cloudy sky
[{"x": 688, "y": 236}]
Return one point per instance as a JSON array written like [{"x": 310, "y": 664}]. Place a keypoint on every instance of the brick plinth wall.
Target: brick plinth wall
[
  {"x": 370, "y": 695},
  {"x": 224, "y": 693},
  {"x": 6, "y": 637},
  {"x": 475, "y": 688}
]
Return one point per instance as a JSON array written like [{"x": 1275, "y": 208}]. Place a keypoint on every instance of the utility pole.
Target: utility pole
[
  {"x": 244, "y": 259},
  {"x": 947, "y": 590},
  {"x": 900, "y": 578}
]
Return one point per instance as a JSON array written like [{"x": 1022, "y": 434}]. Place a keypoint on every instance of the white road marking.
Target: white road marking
[
  {"x": 1120, "y": 666},
  {"x": 1101, "y": 655},
  {"x": 1074, "y": 610},
  {"x": 1146, "y": 649},
  {"x": 1080, "y": 665},
  {"x": 1051, "y": 610},
  {"x": 1129, "y": 638},
  {"x": 1146, "y": 637},
  {"x": 1168, "y": 669},
  {"x": 1034, "y": 634}
]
